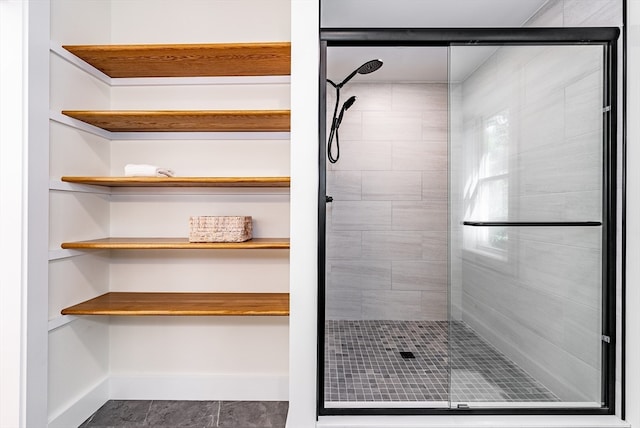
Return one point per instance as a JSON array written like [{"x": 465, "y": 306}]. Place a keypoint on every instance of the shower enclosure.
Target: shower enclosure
[{"x": 467, "y": 231}]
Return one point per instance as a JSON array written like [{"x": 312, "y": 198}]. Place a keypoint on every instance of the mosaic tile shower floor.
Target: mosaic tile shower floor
[{"x": 363, "y": 364}]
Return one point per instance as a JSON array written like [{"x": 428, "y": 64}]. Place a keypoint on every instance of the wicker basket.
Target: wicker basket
[{"x": 220, "y": 229}]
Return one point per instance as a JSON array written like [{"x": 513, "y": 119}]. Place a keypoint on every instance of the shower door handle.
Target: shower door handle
[
  {"x": 531, "y": 223},
  {"x": 328, "y": 198}
]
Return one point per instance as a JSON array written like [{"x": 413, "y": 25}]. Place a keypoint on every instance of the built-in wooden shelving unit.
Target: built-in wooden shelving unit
[
  {"x": 185, "y": 61},
  {"x": 199, "y": 304},
  {"x": 174, "y": 244},
  {"x": 188, "y": 60},
  {"x": 185, "y": 120},
  {"x": 181, "y": 181}
]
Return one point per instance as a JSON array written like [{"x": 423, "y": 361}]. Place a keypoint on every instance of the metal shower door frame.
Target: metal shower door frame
[{"x": 446, "y": 37}]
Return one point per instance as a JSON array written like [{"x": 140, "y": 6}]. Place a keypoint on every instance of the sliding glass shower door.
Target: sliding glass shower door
[
  {"x": 527, "y": 266},
  {"x": 467, "y": 251}
]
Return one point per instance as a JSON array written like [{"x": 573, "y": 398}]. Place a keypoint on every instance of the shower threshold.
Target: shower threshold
[
  {"x": 453, "y": 405},
  {"x": 387, "y": 404}
]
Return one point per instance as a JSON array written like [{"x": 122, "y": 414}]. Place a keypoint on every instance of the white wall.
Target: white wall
[
  {"x": 78, "y": 352},
  {"x": 633, "y": 217},
  {"x": 24, "y": 85},
  {"x": 35, "y": 253},
  {"x": 305, "y": 62},
  {"x": 12, "y": 167},
  {"x": 387, "y": 225},
  {"x": 200, "y": 21}
]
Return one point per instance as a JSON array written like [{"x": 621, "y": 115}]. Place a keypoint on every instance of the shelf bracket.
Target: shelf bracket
[
  {"x": 57, "y": 49},
  {"x": 60, "y": 321}
]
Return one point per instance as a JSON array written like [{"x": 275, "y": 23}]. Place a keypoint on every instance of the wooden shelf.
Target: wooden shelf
[
  {"x": 174, "y": 244},
  {"x": 198, "y": 304},
  {"x": 188, "y": 60},
  {"x": 181, "y": 181},
  {"x": 185, "y": 120}
]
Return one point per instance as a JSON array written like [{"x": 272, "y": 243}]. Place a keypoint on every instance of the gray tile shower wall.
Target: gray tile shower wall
[
  {"x": 387, "y": 226},
  {"x": 578, "y": 13}
]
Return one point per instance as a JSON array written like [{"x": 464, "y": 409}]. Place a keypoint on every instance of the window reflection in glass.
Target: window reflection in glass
[{"x": 490, "y": 200}]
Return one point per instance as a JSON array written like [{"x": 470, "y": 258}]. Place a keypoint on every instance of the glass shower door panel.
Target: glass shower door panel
[{"x": 526, "y": 192}]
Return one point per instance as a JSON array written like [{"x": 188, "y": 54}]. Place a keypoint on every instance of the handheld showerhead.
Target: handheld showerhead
[{"x": 347, "y": 104}]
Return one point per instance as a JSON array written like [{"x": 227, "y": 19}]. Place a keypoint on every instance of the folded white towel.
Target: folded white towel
[{"x": 144, "y": 170}]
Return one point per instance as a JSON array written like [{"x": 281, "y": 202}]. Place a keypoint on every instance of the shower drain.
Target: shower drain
[{"x": 407, "y": 354}]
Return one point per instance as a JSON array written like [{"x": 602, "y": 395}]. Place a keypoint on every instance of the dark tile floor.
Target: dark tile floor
[
  {"x": 363, "y": 363},
  {"x": 191, "y": 414}
]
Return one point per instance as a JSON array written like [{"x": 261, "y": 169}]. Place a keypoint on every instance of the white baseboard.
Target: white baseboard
[
  {"x": 238, "y": 387},
  {"x": 84, "y": 407}
]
